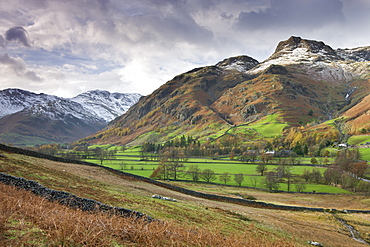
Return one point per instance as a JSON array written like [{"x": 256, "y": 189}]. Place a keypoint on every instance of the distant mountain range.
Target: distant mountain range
[
  {"x": 303, "y": 81},
  {"x": 27, "y": 118}
]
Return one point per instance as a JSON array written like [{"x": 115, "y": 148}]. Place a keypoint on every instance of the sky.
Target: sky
[{"x": 66, "y": 47}]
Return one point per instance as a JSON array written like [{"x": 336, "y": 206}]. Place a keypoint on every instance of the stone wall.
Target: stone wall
[{"x": 68, "y": 199}]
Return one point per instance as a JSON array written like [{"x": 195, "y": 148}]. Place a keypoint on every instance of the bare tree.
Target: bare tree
[
  {"x": 271, "y": 181},
  {"x": 253, "y": 181},
  {"x": 208, "y": 175},
  {"x": 261, "y": 168},
  {"x": 225, "y": 177},
  {"x": 239, "y": 178},
  {"x": 300, "y": 187},
  {"x": 194, "y": 172}
]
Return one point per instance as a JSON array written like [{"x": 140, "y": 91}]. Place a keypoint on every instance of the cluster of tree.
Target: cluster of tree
[
  {"x": 304, "y": 142},
  {"x": 83, "y": 152},
  {"x": 228, "y": 145},
  {"x": 348, "y": 171},
  {"x": 181, "y": 142},
  {"x": 170, "y": 171},
  {"x": 51, "y": 149}
]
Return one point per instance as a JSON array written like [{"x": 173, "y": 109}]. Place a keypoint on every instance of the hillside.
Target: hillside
[
  {"x": 304, "y": 81},
  {"x": 208, "y": 223},
  {"x": 27, "y": 118}
]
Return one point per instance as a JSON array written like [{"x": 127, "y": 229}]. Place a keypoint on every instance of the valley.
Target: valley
[{"x": 266, "y": 227}]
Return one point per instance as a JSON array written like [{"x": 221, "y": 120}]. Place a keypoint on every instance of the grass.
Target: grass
[
  {"x": 365, "y": 153},
  {"x": 357, "y": 140},
  {"x": 223, "y": 165},
  {"x": 189, "y": 222},
  {"x": 249, "y": 170},
  {"x": 269, "y": 126}
]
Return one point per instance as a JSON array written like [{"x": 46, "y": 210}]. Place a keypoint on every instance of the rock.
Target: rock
[{"x": 315, "y": 243}]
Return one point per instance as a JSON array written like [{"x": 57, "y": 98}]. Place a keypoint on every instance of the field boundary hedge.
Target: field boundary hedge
[{"x": 240, "y": 201}]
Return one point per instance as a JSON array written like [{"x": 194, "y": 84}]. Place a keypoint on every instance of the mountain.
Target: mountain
[
  {"x": 303, "y": 81},
  {"x": 28, "y": 118}
]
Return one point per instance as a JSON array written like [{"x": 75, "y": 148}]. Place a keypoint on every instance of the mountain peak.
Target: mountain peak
[
  {"x": 311, "y": 46},
  {"x": 240, "y": 63}
]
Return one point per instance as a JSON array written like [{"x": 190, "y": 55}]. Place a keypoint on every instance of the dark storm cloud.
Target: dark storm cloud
[
  {"x": 18, "y": 34},
  {"x": 286, "y": 14}
]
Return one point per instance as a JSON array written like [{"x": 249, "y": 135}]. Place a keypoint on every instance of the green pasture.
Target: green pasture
[
  {"x": 365, "y": 153},
  {"x": 269, "y": 126},
  {"x": 359, "y": 139},
  {"x": 146, "y": 168}
]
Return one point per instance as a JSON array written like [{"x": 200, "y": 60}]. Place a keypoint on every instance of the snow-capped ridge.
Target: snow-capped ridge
[
  {"x": 319, "y": 60},
  {"x": 92, "y": 106}
]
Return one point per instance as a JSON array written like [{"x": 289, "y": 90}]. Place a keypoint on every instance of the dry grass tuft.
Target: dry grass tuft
[{"x": 28, "y": 220}]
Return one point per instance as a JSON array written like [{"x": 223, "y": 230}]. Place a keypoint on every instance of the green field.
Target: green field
[{"x": 133, "y": 165}]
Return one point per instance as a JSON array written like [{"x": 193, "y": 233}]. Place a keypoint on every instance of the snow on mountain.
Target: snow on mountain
[
  {"x": 13, "y": 100},
  {"x": 106, "y": 105},
  {"x": 92, "y": 106},
  {"x": 319, "y": 59},
  {"x": 240, "y": 63},
  {"x": 63, "y": 110}
]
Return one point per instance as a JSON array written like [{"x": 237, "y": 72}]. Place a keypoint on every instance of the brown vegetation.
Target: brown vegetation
[{"x": 28, "y": 220}]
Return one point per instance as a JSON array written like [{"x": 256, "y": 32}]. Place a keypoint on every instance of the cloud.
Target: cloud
[
  {"x": 18, "y": 34},
  {"x": 18, "y": 67},
  {"x": 2, "y": 41},
  {"x": 126, "y": 45},
  {"x": 288, "y": 14}
]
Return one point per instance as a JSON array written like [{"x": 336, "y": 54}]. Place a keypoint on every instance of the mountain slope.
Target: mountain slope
[
  {"x": 41, "y": 118},
  {"x": 303, "y": 81}
]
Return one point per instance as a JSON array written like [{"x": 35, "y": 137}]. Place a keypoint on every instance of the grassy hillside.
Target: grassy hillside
[{"x": 29, "y": 220}]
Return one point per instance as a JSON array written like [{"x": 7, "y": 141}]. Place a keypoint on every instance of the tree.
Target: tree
[
  {"x": 208, "y": 175},
  {"x": 253, "y": 181},
  {"x": 174, "y": 168},
  {"x": 316, "y": 175},
  {"x": 350, "y": 182},
  {"x": 50, "y": 149},
  {"x": 158, "y": 172},
  {"x": 271, "y": 181},
  {"x": 300, "y": 187},
  {"x": 123, "y": 166},
  {"x": 239, "y": 178},
  {"x": 314, "y": 161},
  {"x": 224, "y": 177},
  {"x": 193, "y": 171},
  {"x": 306, "y": 175},
  {"x": 359, "y": 168},
  {"x": 261, "y": 168},
  {"x": 332, "y": 176},
  {"x": 232, "y": 155}
]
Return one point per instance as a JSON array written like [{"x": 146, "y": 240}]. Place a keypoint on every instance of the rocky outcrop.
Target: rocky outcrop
[
  {"x": 68, "y": 199},
  {"x": 240, "y": 63},
  {"x": 276, "y": 70}
]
